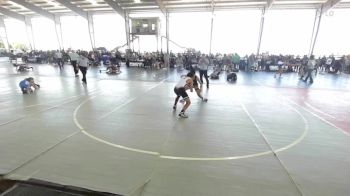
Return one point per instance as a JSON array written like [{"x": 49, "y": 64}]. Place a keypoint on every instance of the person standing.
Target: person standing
[
  {"x": 83, "y": 65},
  {"x": 197, "y": 86},
  {"x": 235, "y": 60},
  {"x": 251, "y": 62},
  {"x": 303, "y": 67},
  {"x": 25, "y": 57},
  {"x": 73, "y": 60},
  {"x": 280, "y": 65},
  {"x": 118, "y": 57},
  {"x": 203, "y": 69},
  {"x": 59, "y": 59},
  {"x": 184, "y": 84},
  {"x": 310, "y": 67},
  {"x": 329, "y": 63},
  {"x": 179, "y": 62},
  {"x": 347, "y": 64}
]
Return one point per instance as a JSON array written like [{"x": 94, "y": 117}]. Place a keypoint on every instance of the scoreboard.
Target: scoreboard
[{"x": 145, "y": 26}]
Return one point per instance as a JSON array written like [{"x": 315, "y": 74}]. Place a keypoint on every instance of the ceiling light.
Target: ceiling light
[
  {"x": 53, "y": 3},
  {"x": 299, "y": 2},
  {"x": 93, "y": 2}
]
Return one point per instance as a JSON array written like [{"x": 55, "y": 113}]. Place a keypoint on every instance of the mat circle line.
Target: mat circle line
[{"x": 85, "y": 132}]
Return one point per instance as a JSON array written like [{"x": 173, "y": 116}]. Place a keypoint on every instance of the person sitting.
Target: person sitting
[
  {"x": 113, "y": 69},
  {"x": 28, "y": 85},
  {"x": 114, "y": 66}
]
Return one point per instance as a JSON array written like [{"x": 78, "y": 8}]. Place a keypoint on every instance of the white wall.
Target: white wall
[
  {"x": 191, "y": 30},
  {"x": 287, "y": 31},
  {"x": 334, "y": 34},
  {"x": 236, "y": 32},
  {"x": 75, "y": 33},
  {"x": 44, "y": 34},
  {"x": 16, "y": 31},
  {"x": 109, "y": 30}
]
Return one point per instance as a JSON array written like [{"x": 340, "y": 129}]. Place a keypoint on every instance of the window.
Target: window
[
  {"x": 333, "y": 36},
  {"x": 236, "y": 32},
  {"x": 109, "y": 30},
  {"x": 16, "y": 32},
  {"x": 287, "y": 31},
  {"x": 191, "y": 30},
  {"x": 75, "y": 33},
  {"x": 45, "y": 37}
]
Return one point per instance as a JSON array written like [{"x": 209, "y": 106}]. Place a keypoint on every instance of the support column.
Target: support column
[
  {"x": 161, "y": 44},
  {"x": 211, "y": 26},
  {"x": 138, "y": 43},
  {"x": 167, "y": 32},
  {"x": 91, "y": 30},
  {"x": 3, "y": 34},
  {"x": 132, "y": 42},
  {"x": 211, "y": 33},
  {"x": 262, "y": 21},
  {"x": 313, "y": 31},
  {"x": 314, "y": 34},
  {"x": 167, "y": 55},
  {"x": 30, "y": 33},
  {"x": 58, "y": 31},
  {"x": 127, "y": 28}
]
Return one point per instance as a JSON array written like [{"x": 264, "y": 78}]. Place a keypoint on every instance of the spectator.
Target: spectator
[
  {"x": 83, "y": 65},
  {"x": 59, "y": 60},
  {"x": 73, "y": 60},
  {"x": 310, "y": 67},
  {"x": 203, "y": 69}
]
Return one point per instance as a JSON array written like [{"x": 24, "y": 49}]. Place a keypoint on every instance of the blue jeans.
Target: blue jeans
[
  {"x": 205, "y": 73},
  {"x": 309, "y": 74}
]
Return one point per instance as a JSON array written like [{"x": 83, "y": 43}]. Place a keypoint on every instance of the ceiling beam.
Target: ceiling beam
[
  {"x": 35, "y": 9},
  {"x": 74, "y": 8},
  {"x": 269, "y": 4},
  {"x": 222, "y": 3},
  {"x": 161, "y": 6},
  {"x": 116, "y": 7},
  {"x": 12, "y": 14},
  {"x": 329, "y": 5}
]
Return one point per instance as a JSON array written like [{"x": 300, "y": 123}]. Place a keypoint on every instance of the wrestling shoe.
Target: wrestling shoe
[{"x": 183, "y": 115}]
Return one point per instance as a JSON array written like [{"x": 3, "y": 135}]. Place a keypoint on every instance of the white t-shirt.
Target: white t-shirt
[
  {"x": 183, "y": 82},
  {"x": 311, "y": 64},
  {"x": 58, "y": 55},
  {"x": 83, "y": 61},
  {"x": 203, "y": 63},
  {"x": 179, "y": 61},
  {"x": 73, "y": 56}
]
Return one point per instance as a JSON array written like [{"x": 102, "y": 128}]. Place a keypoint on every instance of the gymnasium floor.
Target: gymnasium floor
[{"x": 261, "y": 136}]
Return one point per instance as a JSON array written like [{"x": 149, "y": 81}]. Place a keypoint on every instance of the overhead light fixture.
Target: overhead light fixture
[
  {"x": 17, "y": 5},
  {"x": 137, "y": 1},
  {"x": 93, "y": 2},
  {"x": 53, "y": 3},
  {"x": 299, "y": 2}
]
